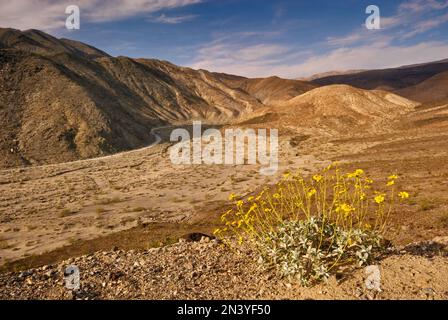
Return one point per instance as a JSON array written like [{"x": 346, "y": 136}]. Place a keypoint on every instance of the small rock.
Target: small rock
[
  {"x": 205, "y": 240},
  {"x": 24, "y": 274}
]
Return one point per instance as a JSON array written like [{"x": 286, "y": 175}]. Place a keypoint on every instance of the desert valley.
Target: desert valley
[{"x": 86, "y": 177}]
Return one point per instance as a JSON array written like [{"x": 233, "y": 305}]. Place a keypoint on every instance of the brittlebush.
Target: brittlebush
[{"x": 306, "y": 228}]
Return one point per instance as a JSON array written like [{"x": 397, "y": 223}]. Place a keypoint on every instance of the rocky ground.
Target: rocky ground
[
  {"x": 51, "y": 214},
  {"x": 207, "y": 270}
]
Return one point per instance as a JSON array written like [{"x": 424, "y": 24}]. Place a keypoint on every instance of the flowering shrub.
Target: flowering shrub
[
  {"x": 308, "y": 250},
  {"x": 306, "y": 228}
]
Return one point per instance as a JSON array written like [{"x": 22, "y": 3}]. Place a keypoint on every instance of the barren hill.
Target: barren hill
[
  {"x": 36, "y": 41},
  {"x": 342, "y": 108},
  {"x": 388, "y": 79},
  {"x": 62, "y": 100},
  {"x": 269, "y": 91},
  {"x": 435, "y": 89},
  {"x": 330, "y": 74}
]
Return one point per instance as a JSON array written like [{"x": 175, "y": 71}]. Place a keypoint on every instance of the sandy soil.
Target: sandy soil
[
  {"x": 43, "y": 208},
  {"x": 46, "y": 208}
]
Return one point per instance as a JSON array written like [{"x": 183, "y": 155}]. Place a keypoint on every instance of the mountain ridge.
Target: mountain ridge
[
  {"x": 389, "y": 78},
  {"x": 63, "y": 100}
]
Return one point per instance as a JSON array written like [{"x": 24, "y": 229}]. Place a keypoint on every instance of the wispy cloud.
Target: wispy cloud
[
  {"x": 411, "y": 19},
  {"x": 163, "y": 18},
  {"x": 426, "y": 25},
  {"x": 417, "y": 16},
  {"x": 50, "y": 14},
  {"x": 367, "y": 57},
  {"x": 233, "y": 53},
  {"x": 423, "y": 5},
  {"x": 222, "y": 58},
  {"x": 359, "y": 49}
]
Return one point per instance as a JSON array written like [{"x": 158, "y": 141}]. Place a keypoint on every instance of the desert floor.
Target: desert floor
[{"x": 139, "y": 200}]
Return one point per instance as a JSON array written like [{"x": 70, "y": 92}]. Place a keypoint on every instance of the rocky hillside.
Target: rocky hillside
[
  {"x": 388, "y": 79},
  {"x": 432, "y": 90},
  {"x": 339, "y": 109},
  {"x": 269, "y": 91},
  {"x": 62, "y": 100}
]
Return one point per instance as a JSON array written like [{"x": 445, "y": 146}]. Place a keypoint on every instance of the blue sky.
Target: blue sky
[{"x": 288, "y": 38}]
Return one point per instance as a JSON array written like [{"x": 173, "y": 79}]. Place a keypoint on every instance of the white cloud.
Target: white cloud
[
  {"x": 50, "y": 14},
  {"x": 226, "y": 59},
  {"x": 173, "y": 19},
  {"x": 412, "y": 18},
  {"x": 346, "y": 40},
  {"x": 369, "y": 57},
  {"x": 426, "y": 25},
  {"x": 233, "y": 57},
  {"x": 423, "y": 5}
]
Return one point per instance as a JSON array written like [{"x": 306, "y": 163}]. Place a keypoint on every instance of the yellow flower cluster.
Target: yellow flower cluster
[{"x": 348, "y": 200}]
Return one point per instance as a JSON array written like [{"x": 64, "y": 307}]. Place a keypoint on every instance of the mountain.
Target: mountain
[
  {"x": 342, "y": 109},
  {"x": 62, "y": 100},
  {"x": 36, "y": 41},
  {"x": 388, "y": 79},
  {"x": 432, "y": 90},
  {"x": 269, "y": 91},
  {"x": 329, "y": 74}
]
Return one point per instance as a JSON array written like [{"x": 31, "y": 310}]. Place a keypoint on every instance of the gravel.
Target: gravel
[{"x": 207, "y": 270}]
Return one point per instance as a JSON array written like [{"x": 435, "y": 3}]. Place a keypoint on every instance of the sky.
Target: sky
[{"x": 253, "y": 38}]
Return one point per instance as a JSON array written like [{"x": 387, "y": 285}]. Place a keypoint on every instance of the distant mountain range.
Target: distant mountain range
[
  {"x": 387, "y": 79},
  {"x": 62, "y": 100}
]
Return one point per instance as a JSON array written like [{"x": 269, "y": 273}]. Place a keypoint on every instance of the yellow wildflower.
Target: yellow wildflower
[
  {"x": 311, "y": 193},
  {"x": 232, "y": 197},
  {"x": 380, "y": 198},
  {"x": 356, "y": 174},
  {"x": 252, "y": 208},
  {"x": 391, "y": 183},
  {"x": 403, "y": 195},
  {"x": 393, "y": 177},
  {"x": 346, "y": 208},
  {"x": 317, "y": 178}
]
